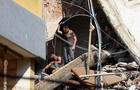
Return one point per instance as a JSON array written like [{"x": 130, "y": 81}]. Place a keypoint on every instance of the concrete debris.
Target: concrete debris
[
  {"x": 121, "y": 64},
  {"x": 129, "y": 83},
  {"x": 138, "y": 80},
  {"x": 120, "y": 67},
  {"x": 130, "y": 71},
  {"x": 133, "y": 87},
  {"x": 115, "y": 68},
  {"x": 132, "y": 65}
]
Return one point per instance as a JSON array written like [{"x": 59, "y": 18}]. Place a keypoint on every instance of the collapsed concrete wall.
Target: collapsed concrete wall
[{"x": 124, "y": 17}]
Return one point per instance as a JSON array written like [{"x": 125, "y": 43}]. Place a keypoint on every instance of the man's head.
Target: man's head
[
  {"x": 65, "y": 29},
  {"x": 53, "y": 56},
  {"x": 107, "y": 29}
]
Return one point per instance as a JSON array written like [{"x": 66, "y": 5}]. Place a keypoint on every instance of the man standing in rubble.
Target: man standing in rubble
[{"x": 70, "y": 37}]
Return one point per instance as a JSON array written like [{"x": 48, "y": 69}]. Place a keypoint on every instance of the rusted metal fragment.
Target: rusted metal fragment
[{"x": 82, "y": 71}]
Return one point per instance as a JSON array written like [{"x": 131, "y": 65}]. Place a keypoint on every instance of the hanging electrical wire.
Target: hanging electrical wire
[
  {"x": 87, "y": 16},
  {"x": 93, "y": 19},
  {"x": 78, "y": 7},
  {"x": 99, "y": 65},
  {"x": 85, "y": 49},
  {"x": 77, "y": 15},
  {"x": 82, "y": 48}
]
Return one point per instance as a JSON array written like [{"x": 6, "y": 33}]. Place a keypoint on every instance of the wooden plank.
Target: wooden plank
[{"x": 64, "y": 73}]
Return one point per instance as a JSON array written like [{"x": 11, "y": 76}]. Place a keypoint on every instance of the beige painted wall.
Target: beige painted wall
[
  {"x": 25, "y": 68},
  {"x": 34, "y": 6}
]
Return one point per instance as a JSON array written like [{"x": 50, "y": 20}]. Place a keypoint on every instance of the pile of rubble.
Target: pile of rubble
[{"x": 129, "y": 70}]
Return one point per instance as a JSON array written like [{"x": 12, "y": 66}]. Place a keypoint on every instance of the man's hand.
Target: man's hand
[
  {"x": 73, "y": 48},
  {"x": 60, "y": 23},
  {"x": 74, "y": 44},
  {"x": 43, "y": 70},
  {"x": 58, "y": 29}
]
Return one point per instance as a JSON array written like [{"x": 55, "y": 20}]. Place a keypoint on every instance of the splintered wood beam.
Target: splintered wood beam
[{"x": 64, "y": 73}]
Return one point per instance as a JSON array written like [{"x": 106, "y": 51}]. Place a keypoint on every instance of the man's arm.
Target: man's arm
[
  {"x": 47, "y": 66},
  {"x": 58, "y": 30},
  {"x": 74, "y": 43},
  {"x": 59, "y": 60}
]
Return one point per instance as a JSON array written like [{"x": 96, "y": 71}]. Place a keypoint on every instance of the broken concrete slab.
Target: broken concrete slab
[
  {"x": 82, "y": 71},
  {"x": 112, "y": 79},
  {"x": 91, "y": 81}
]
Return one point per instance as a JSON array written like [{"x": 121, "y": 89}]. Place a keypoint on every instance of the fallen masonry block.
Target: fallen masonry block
[{"x": 91, "y": 81}]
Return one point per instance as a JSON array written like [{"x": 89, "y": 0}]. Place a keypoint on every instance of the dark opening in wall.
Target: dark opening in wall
[
  {"x": 115, "y": 42},
  {"x": 80, "y": 25}
]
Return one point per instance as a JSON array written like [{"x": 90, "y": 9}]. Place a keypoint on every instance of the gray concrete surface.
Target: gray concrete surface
[
  {"x": 22, "y": 28},
  {"x": 124, "y": 15}
]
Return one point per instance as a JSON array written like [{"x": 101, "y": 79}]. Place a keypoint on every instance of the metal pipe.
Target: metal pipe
[
  {"x": 89, "y": 49},
  {"x": 99, "y": 66},
  {"x": 89, "y": 44},
  {"x": 103, "y": 74}
]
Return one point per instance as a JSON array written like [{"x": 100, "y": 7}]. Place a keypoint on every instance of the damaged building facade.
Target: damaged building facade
[
  {"x": 22, "y": 43},
  {"x": 26, "y": 39},
  {"x": 77, "y": 20},
  {"x": 114, "y": 17},
  {"x": 108, "y": 13}
]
